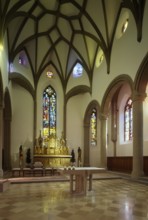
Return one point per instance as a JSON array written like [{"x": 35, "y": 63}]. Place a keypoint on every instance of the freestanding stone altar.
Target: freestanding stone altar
[
  {"x": 79, "y": 177},
  {"x": 52, "y": 151}
]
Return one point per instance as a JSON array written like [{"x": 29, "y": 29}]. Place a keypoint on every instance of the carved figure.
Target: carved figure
[
  {"x": 79, "y": 156},
  {"x": 21, "y": 156},
  {"x": 72, "y": 160}
]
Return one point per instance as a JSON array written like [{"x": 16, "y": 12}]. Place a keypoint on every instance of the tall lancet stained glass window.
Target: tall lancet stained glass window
[
  {"x": 49, "y": 112},
  {"x": 128, "y": 120},
  {"x": 93, "y": 127}
]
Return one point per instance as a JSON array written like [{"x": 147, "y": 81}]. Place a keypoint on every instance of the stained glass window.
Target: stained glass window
[
  {"x": 77, "y": 70},
  {"x": 93, "y": 127},
  {"x": 49, "y": 112},
  {"x": 128, "y": 120},
  {"x": 22, "y": 59}
]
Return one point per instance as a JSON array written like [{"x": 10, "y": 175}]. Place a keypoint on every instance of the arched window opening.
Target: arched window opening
[
  {"x": 128, "y": 120},
  {"x": 77, "y": 70},
  {"x": 93, "y": 127},
  {"x": 49, "y": 112}
]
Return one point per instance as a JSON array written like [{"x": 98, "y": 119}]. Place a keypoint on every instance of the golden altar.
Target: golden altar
[{"x": 52, "y": 151}]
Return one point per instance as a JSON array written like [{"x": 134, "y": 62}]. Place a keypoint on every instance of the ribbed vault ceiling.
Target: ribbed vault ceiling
[{"x": 62, "y": 32}]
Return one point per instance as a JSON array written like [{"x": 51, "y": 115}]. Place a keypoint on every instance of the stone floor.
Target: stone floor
[{"x": 111, "y": 199}]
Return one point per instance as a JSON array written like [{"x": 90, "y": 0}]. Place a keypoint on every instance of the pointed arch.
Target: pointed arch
[
  {"x": 110, "y": 109},
  {"x": 92, "y": 105},
  {"x": 116, "y": 84},
  {"x": 141, "y": 78}
]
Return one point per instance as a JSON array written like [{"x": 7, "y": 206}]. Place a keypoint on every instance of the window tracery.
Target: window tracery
[
  {"x": 49, "y": 112},
  {"x": 93, "y": 127}
]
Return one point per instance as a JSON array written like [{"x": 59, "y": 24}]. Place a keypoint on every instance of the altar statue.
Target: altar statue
[
  {"x": 21, "y": 156},
  {"x": 62, "y": 140},
  {"x": 63, "y": 146},
  {"x": 40, "y": 140},
  {"x": 72, "y": 160},
  {"x": 79, "y": 156}
]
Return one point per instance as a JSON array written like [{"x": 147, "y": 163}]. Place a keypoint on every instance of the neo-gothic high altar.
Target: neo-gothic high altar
[{"x": 52, "y": 151}]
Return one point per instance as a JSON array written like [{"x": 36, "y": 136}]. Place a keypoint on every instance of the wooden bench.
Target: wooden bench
[
  {"x": 16, "y": 172},
  {"x": 35, "y": 171},
  {"x": 48, "y": 170},
  {"x": 38, "y": 170},
  {"x": 55, "y": 171},
  {"x": 27, "y": 171}
]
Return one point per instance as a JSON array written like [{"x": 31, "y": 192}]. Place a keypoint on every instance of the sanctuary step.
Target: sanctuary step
[
  {"x": 37, "y": 171},
  {"x": 4, "y": 185}
]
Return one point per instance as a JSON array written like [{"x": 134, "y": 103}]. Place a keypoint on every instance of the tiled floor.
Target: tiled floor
[{"x": 111, "y": 199}]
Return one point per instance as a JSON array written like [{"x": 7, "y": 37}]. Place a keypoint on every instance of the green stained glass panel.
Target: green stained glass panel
[{"x": 93, "y": 127}]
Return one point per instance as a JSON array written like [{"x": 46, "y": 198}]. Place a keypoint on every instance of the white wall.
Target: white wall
[
  {"x": 75, "y": 116},
  {"x": 22, "y": 122}
]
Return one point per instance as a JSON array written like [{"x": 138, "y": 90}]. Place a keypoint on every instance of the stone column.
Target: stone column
[
  {"x": 86, "y": 145},
  {"x": 1, "y": 139},
  {"x": 7, "y": 143},
  {"x": 138, "y": 135},
  {"x": 103, "y": 135},
  {"x": 114, "y": 116}
]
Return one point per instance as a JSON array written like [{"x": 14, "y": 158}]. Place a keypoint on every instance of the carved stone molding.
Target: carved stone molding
[{"x": 138, "y": 97}]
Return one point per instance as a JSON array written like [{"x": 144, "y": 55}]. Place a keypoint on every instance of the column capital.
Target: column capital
[
  {"x": 103, "y": 117},
  {"x": 138, "y": 96}
]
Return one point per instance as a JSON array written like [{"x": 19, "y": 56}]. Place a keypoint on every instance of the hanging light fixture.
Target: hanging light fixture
[{"x": 49, "y": 74}]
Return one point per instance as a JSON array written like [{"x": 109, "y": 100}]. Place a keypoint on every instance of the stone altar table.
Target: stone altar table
[{"x": 79, "y": 177}]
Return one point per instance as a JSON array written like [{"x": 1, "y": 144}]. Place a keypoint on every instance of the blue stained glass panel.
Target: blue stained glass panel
[
  {"x": 49, "y": 112},
  {"x": 128, "y": 121}
]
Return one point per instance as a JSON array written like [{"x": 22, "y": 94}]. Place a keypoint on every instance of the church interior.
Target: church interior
[{"x": 73, "y": 98}]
